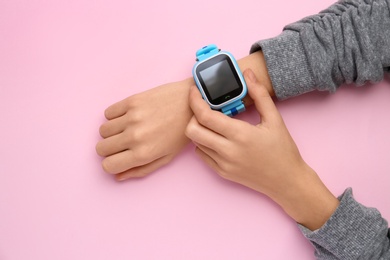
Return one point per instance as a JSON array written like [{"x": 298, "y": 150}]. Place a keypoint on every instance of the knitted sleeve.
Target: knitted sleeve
[{"x": 347, "y": 43}]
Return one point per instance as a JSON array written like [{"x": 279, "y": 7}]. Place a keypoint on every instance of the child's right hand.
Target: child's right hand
[{"x": 263, "y": 157}]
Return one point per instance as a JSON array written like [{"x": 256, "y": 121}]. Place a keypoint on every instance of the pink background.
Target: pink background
[{"x": 63, "y": 62}]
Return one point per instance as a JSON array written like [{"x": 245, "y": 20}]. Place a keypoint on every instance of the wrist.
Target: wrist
[
  {"x": 306, "y": 199},
  {"x": 254, "y": 61}
]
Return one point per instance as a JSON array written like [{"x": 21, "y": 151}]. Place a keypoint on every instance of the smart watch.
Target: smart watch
[{"x": 219, "y": 80}]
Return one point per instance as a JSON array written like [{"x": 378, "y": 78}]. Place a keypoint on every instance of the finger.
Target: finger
[
  {"x": 204, "y": 136},
  {"x": 213, "y": 120},
  {"x": 121, "y": 162},
  {"x": 207, "y": 159},
  {"x": 113, "y": 127},
  {"x": 111, "y": 145},
  {"x": 261, "y": 98},
  {"x": 116, "y": 110},
  {"x": 143, "y": 170},
  {"x": 211, "y": 153}
]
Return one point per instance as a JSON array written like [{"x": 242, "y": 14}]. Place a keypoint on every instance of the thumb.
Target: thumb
[{"x": 261, "y": 98}]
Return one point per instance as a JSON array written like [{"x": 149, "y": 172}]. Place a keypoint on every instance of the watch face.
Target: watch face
[{"x": 219, "y": 79}]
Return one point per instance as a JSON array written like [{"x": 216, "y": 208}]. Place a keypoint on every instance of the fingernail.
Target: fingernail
[{"x": 121, "y": 178}]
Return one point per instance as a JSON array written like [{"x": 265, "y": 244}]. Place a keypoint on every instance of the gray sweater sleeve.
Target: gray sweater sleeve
[
  {"x": 352, "y": 232},
  {"x": 347, "y": 43}
]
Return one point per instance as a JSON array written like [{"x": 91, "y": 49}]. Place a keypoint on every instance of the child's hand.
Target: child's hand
[
  {"x": 262, "y": 157},
  {"x": 145, "y": 131}
]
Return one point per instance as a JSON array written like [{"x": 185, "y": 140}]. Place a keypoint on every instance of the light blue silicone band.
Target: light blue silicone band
[
  {"x": 233, "y": 108},
  {"x": 237, "y": 106},
  {"x": 206, "y": 52}
]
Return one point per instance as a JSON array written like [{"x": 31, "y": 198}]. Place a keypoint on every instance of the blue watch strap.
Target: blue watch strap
[
  {"x": 206, "y": 51},
  {"x": 233, "y": 108}
]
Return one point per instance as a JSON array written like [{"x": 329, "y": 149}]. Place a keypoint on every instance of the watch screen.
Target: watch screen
[{"x": 219, "y": 79}]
